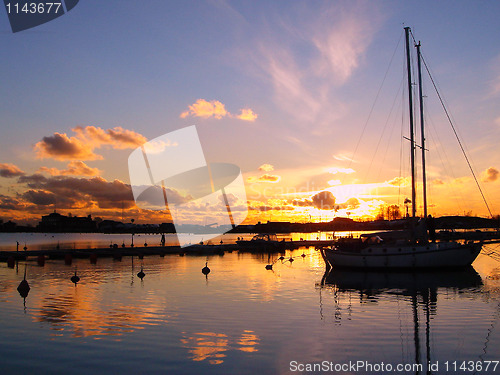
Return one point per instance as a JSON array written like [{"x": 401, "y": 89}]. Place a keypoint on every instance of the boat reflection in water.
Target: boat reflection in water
[{"x": 418, "y": 296}]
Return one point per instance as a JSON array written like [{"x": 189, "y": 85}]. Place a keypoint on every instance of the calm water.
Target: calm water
[
  {"x": 241, "y": 319},
  {"x": 45, "y": 241}
]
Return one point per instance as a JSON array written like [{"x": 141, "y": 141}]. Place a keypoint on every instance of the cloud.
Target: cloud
[
  {"x": 247, "y": 115},
  {"x": 350, "y": 204},
  {"x": 342, "y": 157},
  {"x": 491, "y": 174},
  {"x": 117, "y": 137},
  {"x": 335, "y": 170},
  {"x": 206, "y": 109},
  {"x": 61, "y": 147},
  {"x": 76, "y": 168},
  {"x": 10, "y": 203},
  {"x": 10, "y": 170},
  {"x": 399, "y": 181},
  {"x": 334, "y": 182},
  {"x": 215, "y": 109},
  {"x": 81, "y": 147},
  {"x": 324, "y": 200},
  {"x": 264, "y": 178},
  {"x": 308, "y": 54},
  {"x": 40, "y": 197},
  {"x": 266, "y": 168},
  {"x": 158, "y": 146},
  {"x": 341, "y": 46},
  {"x": 80, "y": 192}
]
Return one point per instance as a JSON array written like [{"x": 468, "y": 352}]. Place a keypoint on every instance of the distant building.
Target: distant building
[{"x": 56, "y": 222}]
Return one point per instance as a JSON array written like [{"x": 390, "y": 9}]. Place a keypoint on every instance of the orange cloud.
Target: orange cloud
[
  {"x": 74, "y": 192},
  {"x": 117, "y": 137},
  {"x": 76, "y": 168},
  {"x": 214, "y": 108},
  {"x": 247, "y": 115},
  {"x": 399, "y": 181},
  {"x": 205, "y": 109},
  {"x": 264, "y": 178},
  {"x": 10, "y": 170},
  {"x": 491, "y": 174},
  {"x": 61, "y": 147},
  {"x": 324, "y": 200},
  {"x": 266, "y": 168}
]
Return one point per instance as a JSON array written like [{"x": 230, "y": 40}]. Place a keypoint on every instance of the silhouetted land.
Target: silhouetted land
[{"x": 57, "y": 223}]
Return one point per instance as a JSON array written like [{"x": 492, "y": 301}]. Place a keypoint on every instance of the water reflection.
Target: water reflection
[
  {"x": 83, "y": 314},
  {"x": 212, "y": 347},
  {"x": 420, "y": 293}
]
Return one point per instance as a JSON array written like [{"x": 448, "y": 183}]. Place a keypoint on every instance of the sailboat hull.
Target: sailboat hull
[{"x": 394, "y": 257}]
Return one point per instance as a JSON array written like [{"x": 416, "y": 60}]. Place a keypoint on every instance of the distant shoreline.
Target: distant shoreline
[{"x": 338, "y": 224}]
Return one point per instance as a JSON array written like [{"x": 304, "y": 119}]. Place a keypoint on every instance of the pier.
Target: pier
[{"x": 119, "y": 251}]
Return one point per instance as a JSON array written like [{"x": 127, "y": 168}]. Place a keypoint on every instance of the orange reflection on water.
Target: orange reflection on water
[
  {"x": 207, "y": 345},
  {"x": 213, "y": 346},
  {"x": 87, "y": 314},
  {"x": 248, "y": 341}
]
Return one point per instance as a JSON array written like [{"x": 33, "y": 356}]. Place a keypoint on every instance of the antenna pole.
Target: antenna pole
[
  {"x": 412, "y": 140},
  {"x": 421, "y": 97}
]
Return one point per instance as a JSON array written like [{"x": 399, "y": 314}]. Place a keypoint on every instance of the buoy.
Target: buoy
[
  {"x": 303, "y": 255},
  {"x": 11, "y": 262},
  {"x": 181, "y": 254},
  {"x": 24, "y": 287},
  {"x": 141, "y": 274},
  {"x": 205, "y": 270},
  {"x": 269, "y": 267},
  {"x": 75, "y": 279},
  {"x": 41, "y": 260},
  {"x": 290, "y": 260},
  {"x": 68, "y": 259},
  {"x": 93, "y": 258},
  {"x": 123, "y": 244},
  {"x": 145, "y": 244},
  {"x": 281, "y": 257}
]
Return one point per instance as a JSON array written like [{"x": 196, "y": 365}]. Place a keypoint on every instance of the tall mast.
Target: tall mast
[
  {"x": 412, "y": 140},
  {"x": 424, "y": 188}
]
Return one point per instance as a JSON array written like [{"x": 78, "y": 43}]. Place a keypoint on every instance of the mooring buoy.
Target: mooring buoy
[
  {"x": 75, "y": 279},
  {"x": 205, "y": 270},
  {"x": 141, "y": 274}
]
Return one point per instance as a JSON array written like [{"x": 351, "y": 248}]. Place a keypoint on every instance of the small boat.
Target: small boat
[
  {"x": 409, "y": 249},
  {"x": 261, "y": 241}
]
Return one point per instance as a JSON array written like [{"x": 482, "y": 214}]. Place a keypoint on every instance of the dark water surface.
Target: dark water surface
[{"x": 243, "y": 319}]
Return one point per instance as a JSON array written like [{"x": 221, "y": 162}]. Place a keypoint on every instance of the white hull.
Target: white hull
[{"x": 418, "y": 256}]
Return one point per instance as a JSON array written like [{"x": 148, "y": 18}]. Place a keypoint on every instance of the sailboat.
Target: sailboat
[{"x": 413, "y": 250}]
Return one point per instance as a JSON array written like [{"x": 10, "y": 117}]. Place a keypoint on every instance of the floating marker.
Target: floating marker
[
  {"x": 141, "y": 274},
  {"x": 24, "y": 287},
  {"x": 205, "y": 270}
]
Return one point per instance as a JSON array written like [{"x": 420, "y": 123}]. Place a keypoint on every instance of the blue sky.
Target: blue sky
[{"x": 309, "y": 70}]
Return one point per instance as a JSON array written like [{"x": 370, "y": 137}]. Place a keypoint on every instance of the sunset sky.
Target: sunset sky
[{"x": 307, "y": 98}]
